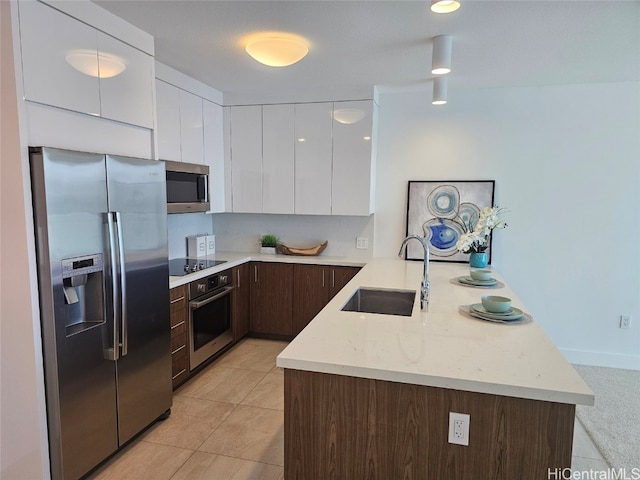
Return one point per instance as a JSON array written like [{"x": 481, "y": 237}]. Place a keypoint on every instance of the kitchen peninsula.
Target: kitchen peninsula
[{"x": 369, "y": 395}]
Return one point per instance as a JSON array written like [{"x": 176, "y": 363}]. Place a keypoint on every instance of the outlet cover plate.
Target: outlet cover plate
[
  {"x": 362, "y": 243},
  {"x": 459, "y": 428}
]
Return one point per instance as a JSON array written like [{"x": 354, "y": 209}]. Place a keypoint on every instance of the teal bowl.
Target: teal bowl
[
  {"x": 496, "y": 304},
  {"x": 480, "y": 273}
]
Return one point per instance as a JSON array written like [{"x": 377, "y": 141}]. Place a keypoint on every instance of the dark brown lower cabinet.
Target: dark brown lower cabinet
[
  {"x": 340, "y": 276},
  {"x": 313, "y": 287},
  {"x": 241, "y": 306},
  {"x": 179, "y": 334},
  {"x": 271, "y": 299},
  {"x": 310, "y": 293},
  {"x": 346, "y": 427}
]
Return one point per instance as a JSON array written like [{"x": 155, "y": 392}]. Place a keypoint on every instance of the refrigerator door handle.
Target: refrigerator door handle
[
  {"x": 114, "y": 285},
  {"x": 123, "y": 287}
]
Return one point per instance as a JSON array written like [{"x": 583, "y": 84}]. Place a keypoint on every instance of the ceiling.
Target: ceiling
[{"x": 355, "y": 45}]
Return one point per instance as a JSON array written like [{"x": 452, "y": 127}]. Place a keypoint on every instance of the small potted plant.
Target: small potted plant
[{"x": 268, "y": 243}]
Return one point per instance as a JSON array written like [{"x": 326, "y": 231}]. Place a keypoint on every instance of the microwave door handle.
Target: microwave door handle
[
  {"x": 206, "y": 188},
  {"x": 114, "y": 285},
  {"x": 123, "y": 286},
  {"x": 202, "y": 303}
]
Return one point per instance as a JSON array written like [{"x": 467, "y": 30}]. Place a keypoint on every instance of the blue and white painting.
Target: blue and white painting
[{"x": 442, "y": 211}]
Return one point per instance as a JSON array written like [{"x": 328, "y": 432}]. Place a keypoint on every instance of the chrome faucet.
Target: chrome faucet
[{"x": 425, "y": 286}]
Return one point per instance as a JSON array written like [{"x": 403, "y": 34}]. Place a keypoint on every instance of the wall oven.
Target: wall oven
[{"x": 209, "y": 316}]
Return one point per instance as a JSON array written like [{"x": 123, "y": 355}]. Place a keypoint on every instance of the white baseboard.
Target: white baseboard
[{"x": 602, "y": 359}]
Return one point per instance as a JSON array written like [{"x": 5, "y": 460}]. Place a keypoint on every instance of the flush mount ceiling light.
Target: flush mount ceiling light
[
  {"x": 348, "y": 116},
  {"x": 276, "y": 49},
  {"x": 101, "y": 65},
  {"x": 439, "y": 91},
  {"x": 441, "y": 57},
  {"x": 444, "y": 6}
]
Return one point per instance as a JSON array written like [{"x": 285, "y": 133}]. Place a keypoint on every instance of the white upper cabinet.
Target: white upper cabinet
[
  {"x": 246, "y": 158},
  {"x": 127, "y": 97},
  {"x": 180, "y": 124},
  {"x": 69, "y": 64},
  {"x": 313, "y": 158},
  {"x": 278, "y": 159},
  {"x": 351, "y": 182},
  {"x": 47, "y": 38},
  {"x": 191, "y": 128},
  {"x": 168, "y": 127},
  {"x": 212, "y": 117}
]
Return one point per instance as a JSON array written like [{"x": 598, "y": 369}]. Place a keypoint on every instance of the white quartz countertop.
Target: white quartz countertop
[
  {"x": 233, "y": 259},
  {"x": 440, "y": 348}
]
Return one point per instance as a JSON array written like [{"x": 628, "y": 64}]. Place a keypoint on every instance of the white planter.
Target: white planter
[{"x": 268, "y": 250}]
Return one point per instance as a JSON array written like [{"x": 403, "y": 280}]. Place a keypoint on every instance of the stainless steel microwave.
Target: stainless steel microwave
[{"x": 187, "y": 187}]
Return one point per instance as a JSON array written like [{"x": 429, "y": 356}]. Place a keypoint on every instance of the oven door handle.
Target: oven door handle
[{"x": 225, "y": 291}]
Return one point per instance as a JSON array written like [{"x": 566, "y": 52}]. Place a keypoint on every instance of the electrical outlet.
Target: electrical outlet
[
  {"x": 459, "y": 428},
  {"x": 625, "y": 321},
  {"x": 362, "y": 243}
]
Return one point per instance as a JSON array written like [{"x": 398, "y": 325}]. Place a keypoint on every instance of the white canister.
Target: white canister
[
  {"x": 211, "y": 244},
  {"x": 196, "y": 246}
]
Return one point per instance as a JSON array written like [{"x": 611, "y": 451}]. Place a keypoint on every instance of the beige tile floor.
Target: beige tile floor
[{"x": 227, "y": 424}]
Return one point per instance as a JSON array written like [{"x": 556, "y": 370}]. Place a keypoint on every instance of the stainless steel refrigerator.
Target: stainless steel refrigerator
[{"x": 103, "y": 277}]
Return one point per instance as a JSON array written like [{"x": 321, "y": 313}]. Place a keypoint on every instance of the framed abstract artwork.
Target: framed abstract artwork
[{"x": 439, "y": 211}]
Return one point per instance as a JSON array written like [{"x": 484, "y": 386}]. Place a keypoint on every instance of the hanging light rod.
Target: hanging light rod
[
  {"x": 441, "y": 57},
  {"x": 439, "y": 91},
  {"x": 444, "y": 6}
]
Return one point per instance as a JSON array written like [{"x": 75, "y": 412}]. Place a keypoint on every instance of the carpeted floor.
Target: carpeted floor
[{"x": 614, "y": 422}]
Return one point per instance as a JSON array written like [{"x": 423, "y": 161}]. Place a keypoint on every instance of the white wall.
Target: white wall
[
  {"x": 240, "y": 232},
  {"x": 23, "y": 447},
  {"x": 566, "y": 160}
]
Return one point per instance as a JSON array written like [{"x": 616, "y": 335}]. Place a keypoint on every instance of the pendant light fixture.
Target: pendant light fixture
[
  {"x": 439, "y": 91},
  {"x": 441, "y": 57},
  {"x": 276, "y": 49},
  {"x": 444, "y": 6}
]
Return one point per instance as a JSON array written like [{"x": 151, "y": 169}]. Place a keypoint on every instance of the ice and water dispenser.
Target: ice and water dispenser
[{"x": 83, "y": 287}]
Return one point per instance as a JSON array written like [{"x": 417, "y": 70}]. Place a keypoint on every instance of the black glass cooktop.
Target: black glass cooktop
[{"x": 184, "y": 266}]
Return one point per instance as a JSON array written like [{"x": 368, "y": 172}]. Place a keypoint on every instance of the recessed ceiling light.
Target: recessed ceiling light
[
  {"x": 94, "y": 64},
  {"x": 276, "y": 49},
  {"x": 302, "y": 140},
  {"x": 444, "y": 6}
]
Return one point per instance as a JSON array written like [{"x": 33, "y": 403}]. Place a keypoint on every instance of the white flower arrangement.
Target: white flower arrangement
[{"x": 477, "y": 240}]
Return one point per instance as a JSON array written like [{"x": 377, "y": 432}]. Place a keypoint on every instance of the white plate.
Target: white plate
[
  {"x": 483, "y": 283},
  {"x": 478, "y": 310}
]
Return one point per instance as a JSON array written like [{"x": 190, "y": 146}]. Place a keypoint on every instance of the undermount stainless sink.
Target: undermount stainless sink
[{"x": 381, "y": 300}]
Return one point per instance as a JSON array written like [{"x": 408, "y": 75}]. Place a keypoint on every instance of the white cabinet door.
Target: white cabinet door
[
  {"x": 212, "y": 117},
  {"x": 352, "y": 167},
  {"x": 48, "y": 37},
  {"x": 277, "y": 159},
  {"x": 246, "y": 158},
  {"x": 313, "y": 158},
  {"x": 168, "y": 128},
  {"x": 126, "y": 97},
  {"x": 191, "y": 128}
]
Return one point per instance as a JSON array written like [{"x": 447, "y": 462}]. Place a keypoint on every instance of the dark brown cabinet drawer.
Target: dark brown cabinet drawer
[
  {"x": 179, "y": 335},
  {"x": 179, "y": 343},
  {"x": 179, "y": 368},
  {"x": 178, "y": 329}
]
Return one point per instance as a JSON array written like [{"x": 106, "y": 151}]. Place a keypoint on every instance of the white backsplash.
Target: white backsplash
[
  {"x": 240, "y": 232},
  {"x": 181, "y": 225}
]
